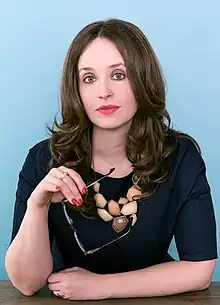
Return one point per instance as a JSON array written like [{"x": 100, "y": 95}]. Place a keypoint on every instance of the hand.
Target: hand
[
  {"x": 58, "y": 184},
  {"x": 77, "y": 284}
]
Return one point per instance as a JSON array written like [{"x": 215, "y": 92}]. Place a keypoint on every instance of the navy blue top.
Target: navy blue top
[{"x": 181, "y": 207}]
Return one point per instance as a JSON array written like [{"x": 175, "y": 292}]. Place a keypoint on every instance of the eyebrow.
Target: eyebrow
[{"x": 111, "y": 66}]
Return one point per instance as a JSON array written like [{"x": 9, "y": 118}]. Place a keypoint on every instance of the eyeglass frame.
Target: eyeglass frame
[{"x": 92, "y": 251}]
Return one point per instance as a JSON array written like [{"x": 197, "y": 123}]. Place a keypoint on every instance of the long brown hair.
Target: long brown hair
[{"x": 151, "y": 140}]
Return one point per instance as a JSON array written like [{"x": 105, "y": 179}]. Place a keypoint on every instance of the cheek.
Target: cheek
[
  {"x": 86, "y": 95},
  {"x": 123, "y": 91},
  {"x": 127, "y": 97}
]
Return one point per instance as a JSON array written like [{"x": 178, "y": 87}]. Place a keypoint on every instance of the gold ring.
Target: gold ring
[{"x": 63, "y": 176}]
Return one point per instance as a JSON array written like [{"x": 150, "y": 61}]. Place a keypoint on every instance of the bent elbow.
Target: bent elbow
[
  {"x": 27, "y": 292},
  {"x": 25, "y": 289},
  {"x": 203, "y": 274},
  {"x": 206, "y": 269},
  {"x": 206, "y": 286}
]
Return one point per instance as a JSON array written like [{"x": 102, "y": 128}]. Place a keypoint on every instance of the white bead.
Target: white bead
[
  {"x": 104, "y": 215},
  {"x": 96, "y": 187},
  {"x": 129, "y": 208},
  {"x": 134, "y": 219},
  {"x": 123, "y": 200},
  {"x": 100, "y": 200},
  {"x": 133, "y": 191}
]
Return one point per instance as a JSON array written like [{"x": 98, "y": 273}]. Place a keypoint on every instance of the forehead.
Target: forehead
[{"x": 100, "y": 53}]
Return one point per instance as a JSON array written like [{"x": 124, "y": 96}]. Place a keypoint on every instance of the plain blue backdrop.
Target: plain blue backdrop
[{"x": 34, "y": 37}]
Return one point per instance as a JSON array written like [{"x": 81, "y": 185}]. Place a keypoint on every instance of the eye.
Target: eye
[
  {"x": 118, "y": 76},
  {"x": 89, "y": 79}
]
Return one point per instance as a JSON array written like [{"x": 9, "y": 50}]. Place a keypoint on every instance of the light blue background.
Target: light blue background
[{"x": 34, "y": 37}]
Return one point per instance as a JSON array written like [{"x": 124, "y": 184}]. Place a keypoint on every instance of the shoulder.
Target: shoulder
[
  {"x": 41, "y": 149},
  {"x": 187, "y": 162},
  {"x": 38, "y": 158},
  {"x": 188, "y": 153},
  {"x": 188, "y": 169}
]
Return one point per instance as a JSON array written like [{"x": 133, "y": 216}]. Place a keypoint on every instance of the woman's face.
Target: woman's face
[{"x": 104, "y": 87}]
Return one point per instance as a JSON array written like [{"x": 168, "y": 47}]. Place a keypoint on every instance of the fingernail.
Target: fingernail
[
  {"x": 84, "y": 191},
  {"x": 74, "y": 201},
  {"x": 57, "y": 188},
  {"x": 80, "y": 201}
]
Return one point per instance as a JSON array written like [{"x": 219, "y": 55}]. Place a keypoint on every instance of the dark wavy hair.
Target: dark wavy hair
[{"x": 150, "y": 140}]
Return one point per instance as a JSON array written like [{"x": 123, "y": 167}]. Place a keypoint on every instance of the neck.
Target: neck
[
  {"x": 109, "y": 150},
  {"x": 109, "y": 143}
]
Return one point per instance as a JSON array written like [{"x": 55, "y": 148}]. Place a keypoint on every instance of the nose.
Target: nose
[{"x": 104, "y": 90}]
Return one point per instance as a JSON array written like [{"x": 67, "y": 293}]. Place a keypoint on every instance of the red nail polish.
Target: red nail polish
[
  {"x": 84, "y": 191},
  {"x": 74, "y": 201},
  {"x": 80, "y": 201},
  {"x": 57, "y": 188}
]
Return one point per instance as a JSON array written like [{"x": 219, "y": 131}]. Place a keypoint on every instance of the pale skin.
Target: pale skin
[{"x": 28, "y": 259}]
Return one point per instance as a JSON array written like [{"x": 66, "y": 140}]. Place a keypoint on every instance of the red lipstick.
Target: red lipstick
[{"x": 107, "y": 109}]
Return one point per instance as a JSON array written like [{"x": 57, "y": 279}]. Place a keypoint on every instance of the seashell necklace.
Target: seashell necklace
[{"x": 118, "y": 212}]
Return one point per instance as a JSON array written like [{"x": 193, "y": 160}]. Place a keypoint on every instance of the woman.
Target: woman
[{"x": 113, "y": 237}]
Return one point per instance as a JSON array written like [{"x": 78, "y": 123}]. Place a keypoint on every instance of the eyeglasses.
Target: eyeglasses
[{"x": 89, "y": 252}]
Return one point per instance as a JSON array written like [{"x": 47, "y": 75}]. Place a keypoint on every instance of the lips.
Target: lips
[{"x": 108, "y": 107}]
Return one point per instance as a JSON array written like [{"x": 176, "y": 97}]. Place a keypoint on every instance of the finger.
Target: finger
[
  {"x": 55, "y": 277},
  {"x": 72, "y": 186},
  {"x": 67, "y": 270},
  {"x": 55, "y": 286},
  {"x": 48, "y": 186},
  {"x": 71, "y": 196},
  {"x": 75, "y": 269},
  {"x": 72, "y": 269},
  {"x": 77, "y": 179},
  {"x": 58, "y": 173}
]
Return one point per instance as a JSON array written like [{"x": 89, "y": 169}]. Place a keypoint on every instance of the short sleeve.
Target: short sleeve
[
  {"x": 28, "y": 179},
  {"x": 195, "y": 229}
]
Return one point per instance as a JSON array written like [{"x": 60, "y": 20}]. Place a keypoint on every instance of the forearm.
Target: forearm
[
  {"x": 163, "y": 279},
  {"x": 28, "y": 259}
]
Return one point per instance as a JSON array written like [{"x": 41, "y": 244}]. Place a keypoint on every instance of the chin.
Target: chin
[{"x": 112, "y": 126}]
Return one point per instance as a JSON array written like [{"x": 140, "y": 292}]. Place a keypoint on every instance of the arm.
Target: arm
[
  {"x": 28, "y": 260},
  {"x": 159, "y": 280},
  {"x": 195, "y": 236},
  {"x": 163, "y": 279}
]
